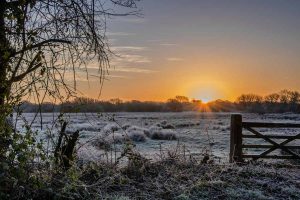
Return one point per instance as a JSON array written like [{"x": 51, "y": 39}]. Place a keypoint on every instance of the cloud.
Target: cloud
[
  {"x": 129, "y": 54},
  {"x": 112, "y": 40},
  {"x": 132, "y": 69},
  {"x": 117, "y": 67},
  {"x": 127, "y": 48},
  {"x": 174, "y": 59},
  {"x": 168, "y": 44},
  {"x": 107, "y": 76},
  {"x": 90, "y": 77},
  {"x": 79, "y": 76},
  {"x": 130, "y": 20},
  {"x": 121, "y": 60},
  {"x": 132, "y": 58},
  {"x": 119, "y": 34}
]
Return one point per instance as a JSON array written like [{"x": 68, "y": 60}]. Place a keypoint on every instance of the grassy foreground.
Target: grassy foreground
[
  {"x": 173, "y": 179},
  {"x": 179, "y": 180}
]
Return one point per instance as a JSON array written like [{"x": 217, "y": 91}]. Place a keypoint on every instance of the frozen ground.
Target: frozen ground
[{"x": 150, "y": 132}]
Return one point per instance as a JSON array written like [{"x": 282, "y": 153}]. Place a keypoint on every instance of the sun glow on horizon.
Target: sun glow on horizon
[
  {"x": 205, "y": 93},
  {"x": 210, "y": 56},
  {"x": 205, "y": 100}
]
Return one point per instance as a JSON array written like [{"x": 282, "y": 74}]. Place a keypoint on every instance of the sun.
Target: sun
[
  {"x": 205, "y": 99},
  {"x": 205, "y": 95},
  {"x": 205, "y": 90}
]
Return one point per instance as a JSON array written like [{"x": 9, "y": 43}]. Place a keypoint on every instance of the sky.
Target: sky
[{"x": 203, "y": 49}]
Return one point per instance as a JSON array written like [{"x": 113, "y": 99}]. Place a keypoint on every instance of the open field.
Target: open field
[{"x": 197, "y": 133}]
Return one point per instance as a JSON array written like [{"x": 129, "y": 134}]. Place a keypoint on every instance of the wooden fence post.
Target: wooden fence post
[{"x": 236, "y": 138}]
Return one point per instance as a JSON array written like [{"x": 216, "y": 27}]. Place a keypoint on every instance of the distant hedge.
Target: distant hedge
[{"x": 284, "y": 101}]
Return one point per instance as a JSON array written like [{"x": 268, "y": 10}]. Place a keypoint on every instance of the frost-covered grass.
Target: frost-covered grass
[
  {"x": 113, "y": 133},
  {"x": 100, "y": 172},
  {"x": 149, "y": 130},
  {"x": 184, "y": 179},
  {"x": 163, "y": 134},
  {"x": 180, "y": 180}
]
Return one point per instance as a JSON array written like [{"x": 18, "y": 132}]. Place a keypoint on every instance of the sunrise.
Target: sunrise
[
  {"x": 149, "y": 99},
  {"x": 221, "y": 48}
]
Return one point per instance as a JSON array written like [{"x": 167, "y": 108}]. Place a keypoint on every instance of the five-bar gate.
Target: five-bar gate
[{"x": 237, "y": 137}]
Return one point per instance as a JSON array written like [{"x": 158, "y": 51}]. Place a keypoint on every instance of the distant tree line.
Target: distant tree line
[{"x": 283, "y": 101}]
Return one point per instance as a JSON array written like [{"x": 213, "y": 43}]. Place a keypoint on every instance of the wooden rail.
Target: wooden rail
[{"x": 237, "y": 137}]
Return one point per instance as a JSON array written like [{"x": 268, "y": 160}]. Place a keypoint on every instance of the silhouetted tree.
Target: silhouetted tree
[
  {"x": 248, "y": 103},
  {"x": 182, "y": 99},
  {"x": 42, "y": 42},
  {"x": 272, "y": 98},
  {"x": 174, "y": 105}
]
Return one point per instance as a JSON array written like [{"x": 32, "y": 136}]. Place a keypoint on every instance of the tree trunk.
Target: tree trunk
[{"x": 5, "y": 51}]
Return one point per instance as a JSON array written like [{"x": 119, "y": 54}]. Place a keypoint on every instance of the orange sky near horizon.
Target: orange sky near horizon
[
  {"x": 206, "y": 79},
  {"x": 203, "y": 50}
]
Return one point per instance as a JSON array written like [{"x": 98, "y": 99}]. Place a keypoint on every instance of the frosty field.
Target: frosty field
[{"x": 197, "y": 133}]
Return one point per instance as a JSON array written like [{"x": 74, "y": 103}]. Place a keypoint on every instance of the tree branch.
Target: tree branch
[
  {"x": 30, "y": 69},
  {"x": 42, "y": 44}
]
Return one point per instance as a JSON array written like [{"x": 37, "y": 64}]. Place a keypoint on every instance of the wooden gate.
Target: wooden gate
[{"x": 237, "y": 137}]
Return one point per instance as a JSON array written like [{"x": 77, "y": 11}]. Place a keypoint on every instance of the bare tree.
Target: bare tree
[
  {"x": 249, "y": 98},
  {"x": 272, "y": 98},
  {"x": 44, "y": 41},
  {"x": 182, "y": 99}
]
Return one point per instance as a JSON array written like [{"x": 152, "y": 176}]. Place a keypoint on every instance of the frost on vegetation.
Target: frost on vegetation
[
  {"x": 162, "y": 134},
  {"x": 136, "y": 128},
  {"x": 166, "y": 125},
  {"x": 112, "y": 134},
  {"x": 86, "y": 134},
  {"x": 241, "y": 193},
  {"x": 137, "y": 135},
  {"x": 118, "y": 197},
  {"x": 210, "y": 183},
  {"x": 84, "y": 127},
  {"x": 109, "y": 136},
  {"x": 126, "y": 126},
  {"x": 117, "y": 138},
  {"x": 187, "y": 124},
  {"x": 291, "y": 190},
  {"x": 111, "y": 127},
  {"x": 182, "y": 197},
  {"x": 158, "y": 133},
  {"x": 153, "y": 129},
  {"x": 88, "y": 153}
]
